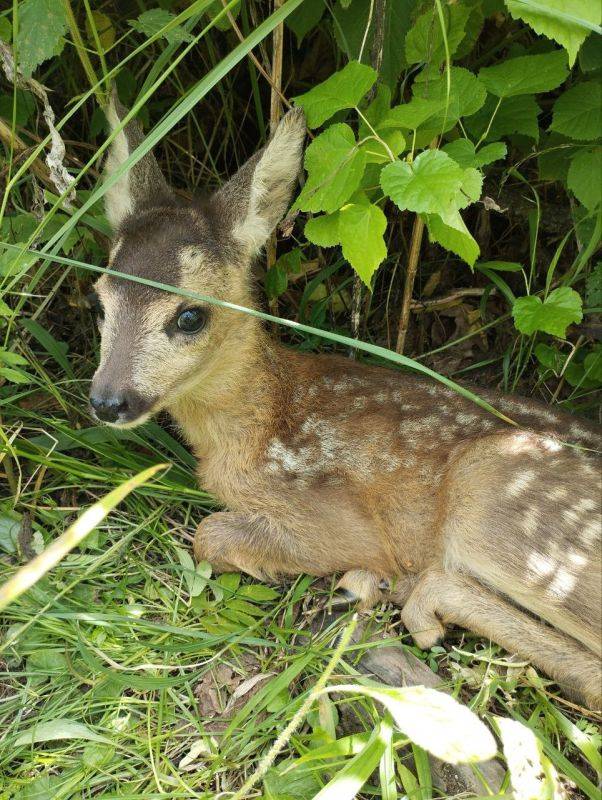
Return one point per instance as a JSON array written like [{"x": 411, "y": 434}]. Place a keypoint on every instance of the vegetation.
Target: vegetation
[{"x": 450, "y": 213}]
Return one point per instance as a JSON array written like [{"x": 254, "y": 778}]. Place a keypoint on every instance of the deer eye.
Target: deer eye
[{"x": 192, "y": 320}]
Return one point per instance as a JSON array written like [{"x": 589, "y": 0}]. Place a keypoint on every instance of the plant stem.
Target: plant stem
[
  {"x": 408, "y": 286},
  {"x": 275, "y": 114}
]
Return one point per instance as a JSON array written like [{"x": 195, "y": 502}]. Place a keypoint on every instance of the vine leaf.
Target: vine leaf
[
  {"x": 38, "y": 41},
  {"x": 424, "y": 41},
  {"x": 577, "y": 112},
  {"x": 453, "y": 235},
  {"x": 466, "y": 95},
  {"x": 342, "y": 90},
  {"x": 430, "y": 184},
  {"x": 514, "y": 115},
  {"x": 585, "y": 177},
  {"x": 526, "y": 74},
  {"x": 561, "y": 308},
  {"x": 335, "y": 167},
  {"x": 324, "y": 230},
  {"x": 152, "y": 21},
  {"x": 558, "y": 26},
  {"x": 463, "y": 152},
  {"x": 361, "y": 230}
]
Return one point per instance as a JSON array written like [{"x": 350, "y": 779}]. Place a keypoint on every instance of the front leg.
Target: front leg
[{"x": 225, "y": 540}]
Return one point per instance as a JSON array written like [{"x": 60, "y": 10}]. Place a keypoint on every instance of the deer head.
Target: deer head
[{"x": 156, "y": 346}]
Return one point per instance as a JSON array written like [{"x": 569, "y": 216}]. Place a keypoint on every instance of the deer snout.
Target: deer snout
[{"x": 118, "y": 407}]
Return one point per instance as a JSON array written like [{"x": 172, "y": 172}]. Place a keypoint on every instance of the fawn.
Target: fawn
[{"x": 325, "y": 465}]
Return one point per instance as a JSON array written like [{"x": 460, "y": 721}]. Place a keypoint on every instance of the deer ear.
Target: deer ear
[
  {"x": 141, "y": 185},
  {"x": 257, "y": 197}
]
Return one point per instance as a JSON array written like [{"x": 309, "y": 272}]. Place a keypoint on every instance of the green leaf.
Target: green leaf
[
  {"x": 453, "y": 235},
  {"x": 15, "y": 375},
  {"x": 361, "y": 229},
  {"x": 195, "y": 577},
  {"x": 433, "y": 720},
  {"x": 335, "y": 167},
  {"x": 413, "y": 114},
  {"x": 276, "y": 281},
  {"x": 590, "y": 55},
  {"x": 560, "y": 309},
  {"x": 324, "y": 230},
  {"x": 526, "y": 74},
  {"x": 25, "y": 107},
  {"x": 289, "y": 781},
  {"x": 577, "y": 111},
  {"x": 349, "y": 780},
  {"x": 57, "y": 349},
  {"x": 344, "y": 89},
  {"x": 552, "y": 18},
  {"x": 466, "y": 94},
  {"x": 373, "y": 122},
  {"x": 305, "y": 17},
  {"x": 495, "y": 151},
  {"x": 585, "y": 177},
  {"x": 463, "y": 153},
  {"x": 55, "y": 730},
  {"x": 429, "y": 185},
  {"x": 514, "y": 115},
  {"x": 424, "y": 41},
  {"x": 42, "y": 25},
  {"x": 154, "y": 20},
  {"x": 9, "y": 533},
  {"x": 501, "y": 266}
]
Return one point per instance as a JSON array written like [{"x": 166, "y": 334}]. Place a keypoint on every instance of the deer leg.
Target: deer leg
[
  {"x": 224, "y": 539},
  {"x": 358, "y": 586},
  {"x": 457, "y": 600}
]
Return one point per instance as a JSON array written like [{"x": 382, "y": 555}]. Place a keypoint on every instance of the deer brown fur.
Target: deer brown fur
[{"x": 329, "y": 466}]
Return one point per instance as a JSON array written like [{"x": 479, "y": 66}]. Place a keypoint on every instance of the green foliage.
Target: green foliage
[
  {"x": 561, "y": 308},
  {"x": 342, "y": 90},
  {"x": 584, "y": 177},
  {"x": 42, "y": 26},
  {"x": 577, "y": 111},
  {"x": 154, "y": 20},
  {"x": 525, "y": 75}
]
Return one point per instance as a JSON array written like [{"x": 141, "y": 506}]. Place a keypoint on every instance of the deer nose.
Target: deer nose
[{"x": 108, "y": 409}]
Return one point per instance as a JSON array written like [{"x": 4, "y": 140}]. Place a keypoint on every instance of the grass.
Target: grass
[{"x": 124, "y": 672}]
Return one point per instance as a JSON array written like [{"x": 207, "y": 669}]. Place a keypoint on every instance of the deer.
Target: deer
[{"x": 407, "y": 490}]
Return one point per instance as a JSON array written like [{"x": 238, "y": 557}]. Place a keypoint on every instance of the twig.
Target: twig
[{"x": 408, "y": 286}]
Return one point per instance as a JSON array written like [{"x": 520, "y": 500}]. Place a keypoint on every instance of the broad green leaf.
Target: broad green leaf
[
  {"x": 590, "y": 55},
  {"x": 453, "y": 235},
  {"x": 425, "y": 42},
  {"x": 470, "y": 188},
  {"x": 195, "y": 577},
  {"x": 9, "y": 533},
  {"x": 335, "y": 167},
  {"x": 15, "y": 375},
  {"x": 349, "y": 780},
  {"x": 276, "y": 281},
  {"x": 413, "y": 114},
  {"x": 289, "y": 781},
  {"x": 429, "y": 185},
  {"x": 154, "y": 20},
  {"x": 466, "y": 94},
  {"x": 25, "y": 107},
  {"x": 463, "y": 153},
  {"x": 104, "y": 29},
  {"x": 372, "y": 122},
  {"x": 552, "y": 18},
  {"x": 305, "y": 17},
  {"x": 577, "y": 111},
  {"x": 561, "y": 308},
  {"x": 525, "y": 74},
  {"x": 593, "y": 364},
  {"x": 324, "y": 230},
  {"x": 433, "y": 720},
  {"x": 55, "y": 730},
  {"x": 361, "y": 230},
  {"x": 531, "y": 774},
  {"x": 42, "y": 26},
  {"x": 344, "y": 89},
  {"x": 512, "y": 115},
  {"x": 585, "y": 177}
]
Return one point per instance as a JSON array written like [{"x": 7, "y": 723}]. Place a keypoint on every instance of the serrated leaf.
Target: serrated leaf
[
  {"x": 413, "y": 114},
  {"x": 495, "y": 151},
  {"x": 324, "y": 230},
  {"x": 552, "y": 19},
  {"x": 361, "y": 229},
  {"x": 433, "y": 720},
  {"x": 453, "y": 235},
  {"x": 304, "y": 18},
  {"x": 585, "y": 177},
  {"x": 560, "y": 309},
  {"x": 42, "y": 26},
  {"x": 470, "y": 188},
  {"x": 56, "y": 730},
  {"x": 465, "y": 97},
  {"x": 195, "y": 577},
  {"x": 525, "y": 74},
  {"x": 577, "y": 111},
  {"x": 424, "y": 40},
  {"x": 514, "y": 115},
  {"x": 154, "y": 20},
  {"x": 335, "y": 166},
  {"x": 463, "y": 152},
  {"x": 429, "y": 185},
  {"x": 371, "y": 123},
  {"x": 344, "y": 89}
]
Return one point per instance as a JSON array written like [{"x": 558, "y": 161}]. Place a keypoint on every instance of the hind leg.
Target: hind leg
[{"x": 445, "y": 598}]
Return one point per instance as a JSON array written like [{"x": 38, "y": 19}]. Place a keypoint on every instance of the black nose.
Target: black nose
[{"x": 109, "y": 409}]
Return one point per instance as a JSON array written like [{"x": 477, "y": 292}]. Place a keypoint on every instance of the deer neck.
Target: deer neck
[{"x": 234, "y": 400}]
